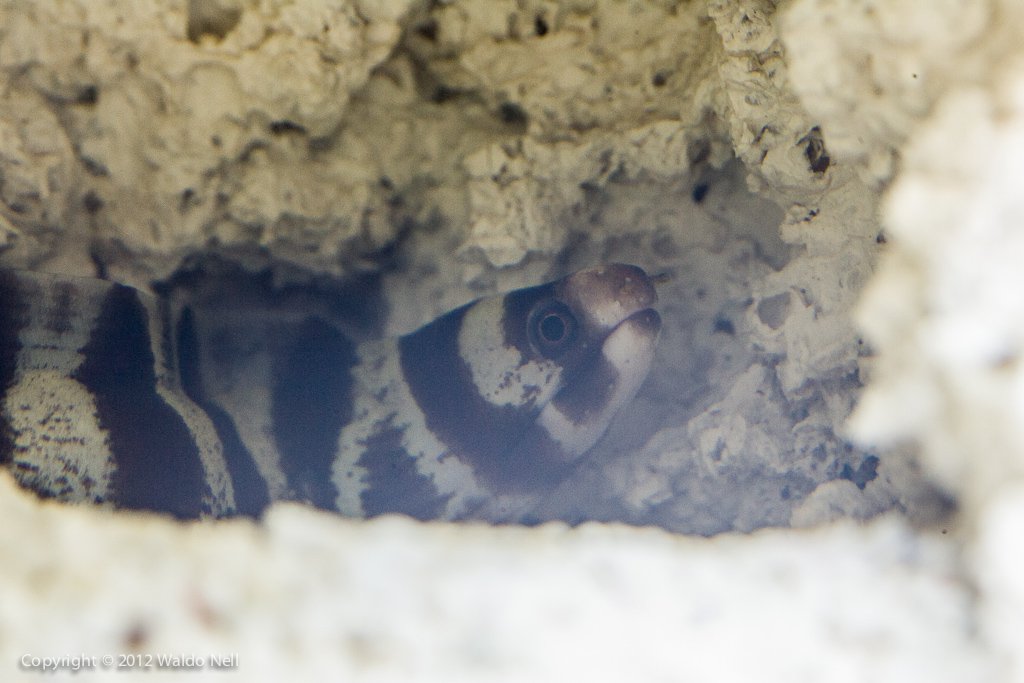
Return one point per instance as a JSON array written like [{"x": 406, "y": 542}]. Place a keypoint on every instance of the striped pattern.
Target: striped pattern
[{"x": 207, "y": 409}]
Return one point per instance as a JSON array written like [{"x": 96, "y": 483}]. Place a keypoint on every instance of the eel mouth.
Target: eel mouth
[
  {"x": 645, "y": 322},
  {"x": 608, "y": 296},
  {"x": 630, "y": 346}
]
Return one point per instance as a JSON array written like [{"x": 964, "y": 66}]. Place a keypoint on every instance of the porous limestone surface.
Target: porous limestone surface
[
  {"x": 766, "y": 159},
  {"x": 938, "y": 87},
  {"x": 310, "y": 596},
  {"x": 145, "y": 129}
]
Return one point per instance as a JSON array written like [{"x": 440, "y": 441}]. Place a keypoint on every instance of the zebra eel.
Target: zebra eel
[{"x": 115, "y": 397}]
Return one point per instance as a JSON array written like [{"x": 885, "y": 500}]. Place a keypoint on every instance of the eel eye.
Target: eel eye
[{"x": 552, "y": 328}]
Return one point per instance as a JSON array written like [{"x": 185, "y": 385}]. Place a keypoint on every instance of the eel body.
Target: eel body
[{"x": 114, "y": 397}]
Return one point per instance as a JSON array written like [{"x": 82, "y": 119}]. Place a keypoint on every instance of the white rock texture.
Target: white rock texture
[
  {"x": 937, "y": 90},
  {"x": 306, "y": 596},
  {"x": 784, "y": 165},
  {"x": 142, "y": 129}
]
